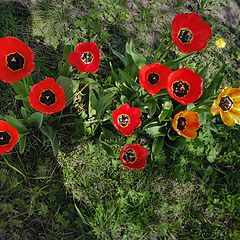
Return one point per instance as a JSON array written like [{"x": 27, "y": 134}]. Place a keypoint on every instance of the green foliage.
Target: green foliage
[
  {"x": 191, "y": 196},
  {"x": 36, "y": 205},
  {"x": 177, "y": 198}
]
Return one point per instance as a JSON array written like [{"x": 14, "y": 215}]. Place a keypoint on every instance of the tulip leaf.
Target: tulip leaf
[
  {"x": 215, "y": 84},
  {"x": 15, "y": 123},
  {"x": 134, "y": 61},
  {"x": 35, "y": 120},
  {"x": 154, "y": 128},
  {"x": 99, "y": 101},
  {"x": 152, "y": 106},
  {"x": 20, "y": 89},
  {"x": 172, "y": 134},
  {"x": 103, "y": 103},
  {"x": 22, "y": 143},
  {"x": 52, "y": 136},
  {"x": 128, "y": 80},
  {"x": 120, "y": 56},
  {"x": 107, "y": 148},
  {"x": 63, "y": 65},
  {"x": 107, "y": 133},
  {"x": 138, "y": 59},
  {"x": 166, "y": 111},
  {"x": 175, "y": 62},
  {"x": 92, "y": 103},
  {"x": 23, "y": 112},
  {"x": 157, "y": 145},
  {"x": 68, "y": 86},
  {"x": 204, "y": 71}
]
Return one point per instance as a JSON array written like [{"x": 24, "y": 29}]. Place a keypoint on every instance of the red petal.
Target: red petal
[
  {"x": 36, "y": 92},
  {"x": 11, "y": 45},
  {"x": 201, "y": 32},
  {"x": 141, "y": 155},
  {"x": 195, "y": 85},
  {"x": 4, "y": 126},
  {"x": 162, "y": 71},
  {"x": 75, "y": 57}
]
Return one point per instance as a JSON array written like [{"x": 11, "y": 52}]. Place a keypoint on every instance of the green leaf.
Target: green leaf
[
  {"x": 107, "y": 148},
  {"x": 128, "y": 80},
  {"x": 15, "y": 123},
  {"x": 90, "y": 82},
  {"x": 131, "y": 139},
  {"x": 19, "y": 97},
  {"x": 52, "y": 136},
  {"x": 203, "y": 118},
  {"x": 203, "y": 72},
  {"x": 66, "y": 51},
  {"x": 22, "y": 143},
  {"x": 151, "y": 105},
  {"x": 68, "y": 86},
  {"x": 23, "y": 112},
  {"x": 175, "y": 62},
  {"x": 11, "y": 113},
  {"x": 157, "y": 145},
  {"x": 98, "y": 102},
  {"x": 166, "y": 111},
  {"x": 63, "y": 65},
  {"x": 138, "y": 59},
  {"x": 120, "y": 56},
  {"x": 214, "y": 86},
  {"x": 118, "y": 83},
  {"x": 171, "y": 135},
  {"x": 20, "y": 89},
  {"x": 103, "y": 103},
  {"x": 92, "y": 103},
  {"x": 107, "y": 133},
  {"x": 35, "y": 120},
  {"x": 154, "y": 128},
  {"x": 134, "y": 61}
]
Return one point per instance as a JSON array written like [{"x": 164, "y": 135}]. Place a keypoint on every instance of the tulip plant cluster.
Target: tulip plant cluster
[{"x": 147, "y": 99}]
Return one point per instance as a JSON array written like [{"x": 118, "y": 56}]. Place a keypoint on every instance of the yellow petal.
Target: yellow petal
[
  {"x": 220, "y": 43},
  {"x": 224, "y": 92},
  {"x": 235, "y": 112},
  {"x": 235, "y": 95},
  {"x": 215, "y": 108},
  {"x": 227, "y": 118}
]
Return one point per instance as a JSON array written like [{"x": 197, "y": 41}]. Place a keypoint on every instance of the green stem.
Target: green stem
[{"x": 12, "y": 167}]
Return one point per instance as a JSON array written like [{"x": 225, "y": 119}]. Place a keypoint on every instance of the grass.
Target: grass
[{"x": 91, "y": 196}]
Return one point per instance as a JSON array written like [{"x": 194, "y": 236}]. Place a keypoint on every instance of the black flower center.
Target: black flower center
[
  {"x": 225, "y": 103},
  {"x": 180, "y": 88},
  {"x": 129, "y": 156},
  {"x": 123, "y": 120},
  {"x": 5, "y": 138},
  {"x": 185, "y": 35},
  {"x": 48, "y": 97},
  {"x": 87, "y": 57},
  {"x": 181, "y": 125},
  {"x": 153, "y": 78},
  {"x": 15, "y": 61}
]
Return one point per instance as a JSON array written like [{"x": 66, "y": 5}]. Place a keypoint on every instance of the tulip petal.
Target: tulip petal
[
  {"x": 227, "y": 118},
  {"x": 187, "y": 133},
  {"x": 215, "y": 109}
]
